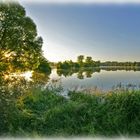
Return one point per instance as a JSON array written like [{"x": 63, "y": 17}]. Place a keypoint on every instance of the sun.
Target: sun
[{"x": 27, "y": 75}]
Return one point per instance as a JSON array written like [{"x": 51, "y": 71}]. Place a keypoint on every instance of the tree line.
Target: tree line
[
  {"x": 82, "y": 62},
  {"x": 88, "y": 62},
  {"x": 121, "y": 64}
]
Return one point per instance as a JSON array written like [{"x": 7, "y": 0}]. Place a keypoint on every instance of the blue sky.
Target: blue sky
[{"x": 105, "y": 32}]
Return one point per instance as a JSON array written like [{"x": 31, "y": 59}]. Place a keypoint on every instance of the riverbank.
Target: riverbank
[{"x": 47, "y": 113}]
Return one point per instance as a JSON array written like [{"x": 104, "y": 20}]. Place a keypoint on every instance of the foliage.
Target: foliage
[
  {"x": 88, "y": 62},
  {"x": 44, "y": 66},
  {"x": 121, "y": 64},
  {"x": 20, "y": 47},
  {"x": 80, "y": 59},
  {"x": 40, "y": 112},
  {"x": 81, "y": 63}
]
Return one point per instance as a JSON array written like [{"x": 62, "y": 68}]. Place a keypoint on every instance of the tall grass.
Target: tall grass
[{"x": 46, "y": 113}]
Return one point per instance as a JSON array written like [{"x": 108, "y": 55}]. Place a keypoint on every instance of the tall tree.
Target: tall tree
[
  {"x": 19, "y": 44},
  {"x": 80, "y": 59},
  {"x": 88, "y": 59}
]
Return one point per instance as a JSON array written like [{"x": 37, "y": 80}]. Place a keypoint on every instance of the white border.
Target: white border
[{"x": 78, "y": 1}]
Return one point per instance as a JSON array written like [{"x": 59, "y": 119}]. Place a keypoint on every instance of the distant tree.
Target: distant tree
[
  {"x": 98, "y": 63},
  {"x": 66, "y": 65},
  {"x": 80, "y": 59},
  {"x": 63, "y": 65},
  {"x": 137, "y": 64},
  {"x": 88, "y": 59},
  {"x": 59, "y": 65},
  {"x": 76, "y": 65}
]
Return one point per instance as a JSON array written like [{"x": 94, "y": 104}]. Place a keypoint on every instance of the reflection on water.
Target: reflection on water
[
  {"x": 104, "y": 79},
  {"x": 80, "y": 72},
  {"x": 91, "y": 78},
  {"x": 17, "y": 83}
]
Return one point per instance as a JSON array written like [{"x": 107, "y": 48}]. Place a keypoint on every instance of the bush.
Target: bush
[{"x": 46, "y": 113}]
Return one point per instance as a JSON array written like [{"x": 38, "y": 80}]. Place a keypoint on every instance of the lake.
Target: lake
[
  {"x": 104, "y": 80},
  {"x": 93, "y": 79}
]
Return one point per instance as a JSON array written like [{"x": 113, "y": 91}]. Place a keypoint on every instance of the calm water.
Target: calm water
[
  {"x": 103, "y": 80},
  {"x": 89, "y": 79}
]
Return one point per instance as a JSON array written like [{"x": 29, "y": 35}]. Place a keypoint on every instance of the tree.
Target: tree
[
  {"x": 88, "y": 61},
  {"x": 20, "y": 46},
  {"x": 80, "y": 59},
  {"x": 44, "y": 66}
]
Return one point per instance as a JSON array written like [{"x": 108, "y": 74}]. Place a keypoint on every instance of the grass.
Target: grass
[{"x": 46, "y": 113}]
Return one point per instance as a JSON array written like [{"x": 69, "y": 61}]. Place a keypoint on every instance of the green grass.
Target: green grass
[{"x": 45, "y": 113}]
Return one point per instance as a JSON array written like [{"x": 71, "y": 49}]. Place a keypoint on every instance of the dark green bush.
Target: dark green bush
[{"x": 46, "y": 113}]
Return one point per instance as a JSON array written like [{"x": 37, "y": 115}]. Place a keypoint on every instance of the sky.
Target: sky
[{"x": 107, "y": 32}]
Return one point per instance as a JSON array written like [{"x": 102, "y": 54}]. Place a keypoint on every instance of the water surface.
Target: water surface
[{"x": 103, "y": 79}]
